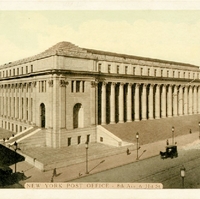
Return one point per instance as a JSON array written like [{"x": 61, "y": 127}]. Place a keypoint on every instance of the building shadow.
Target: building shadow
[{"x": 12, "y": 180}]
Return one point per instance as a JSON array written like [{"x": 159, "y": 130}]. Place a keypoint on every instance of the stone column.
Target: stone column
[
  {"x": 16, "y": 102},
  {"x": 163, "y": 101},
  {"x": 121, "y": 103},
  {"x": 180, "y": 101},
  {"x": 144, "y": 102},
  {"x": 20, "y": 101},
  {"x": 12, "y": 101},
  {"x": 62, "y": 103},
  {"x": 151, "y": 101},
  {"x": 198, "y": 100},
  {"x": 128, "y": 102},
  {"x": 195, "y": 100},
  {"x": 103, "y": 103},
  {"x": 137, "y": 108},
  {"x": 112, "y": 103},
  {"x": 25, "y": 102},
  {"x": 29, "y": 102},
  {"x": 8, "y": 101},
  {"x": 190, "y": 100},
  {"x": 169, "y": 101},
  {"x": 157, "y": 102},
  {"x": 185, "y": 105},
  {"x": 175, "y": 101}
]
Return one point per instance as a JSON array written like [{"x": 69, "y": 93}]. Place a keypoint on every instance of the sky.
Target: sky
[{"x": 167, "y": 35}]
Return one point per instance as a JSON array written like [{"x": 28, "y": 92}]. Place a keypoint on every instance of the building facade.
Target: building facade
[{"x": 69, "y": 91}]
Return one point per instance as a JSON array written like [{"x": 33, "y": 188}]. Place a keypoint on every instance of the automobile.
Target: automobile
[{"x": 171, "y": 152}]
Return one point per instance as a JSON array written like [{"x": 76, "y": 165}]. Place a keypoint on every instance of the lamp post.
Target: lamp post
[
  {"x": 15, "y": 148},
  {"x": 86, "y": 148},
  {"x": 137, "y": 138},
  {"x": 199, "y": 130},
  {"x": 182, "y": 175},
  {"x": 172, "y": 135}
]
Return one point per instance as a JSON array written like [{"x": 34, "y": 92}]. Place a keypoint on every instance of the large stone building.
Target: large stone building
[{"x": 71, "y": 92}]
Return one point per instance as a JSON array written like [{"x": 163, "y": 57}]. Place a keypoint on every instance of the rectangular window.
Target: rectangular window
[
  {"x": 101, "y": 139},
  {"x": 6, "y": 73},
  {"x": 193, "y": 75},
  {"x": 26, "y": 69},
  {"x": 22, "y": 70},
  {"x": 99, "y": 67},
  {"x": 72, "y": 86},
  {"x": 10, "y": 72},
  {"x": 13, "y": 71},
  {"x": 167, "y": 73},
  {"x": 69, "y": 141},
  {"x": 31, "y": 68},
  {"x": 17, "y": 71},
  {"x": 141, "y": 71},
  {"x": 109, "y": 68},
  {"x": 155, "y": 71},
  {"x": 133, "y": 70},
  {"x": 126, "y": 69},
  {"x": 83, "y": 88},
  {"x": 78, "y": 86},
  {"x": 117, "y": 69},
  {"x": 42, "y": 86},
  {"x": 184, "y": 75},
  {"x": 79, "y": 139},
  {"x": 173, "y": 73},
  {"x": 178, "y": 74},
  {"x": 148, "y": 71},
  {"x": 188, "y": 75},
  {"x": 161, "y": 73}
]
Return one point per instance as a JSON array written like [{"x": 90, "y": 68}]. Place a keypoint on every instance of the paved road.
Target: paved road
[{"x": 155, "y": 170}]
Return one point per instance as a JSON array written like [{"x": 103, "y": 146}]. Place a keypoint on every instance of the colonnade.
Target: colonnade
[
  {"x": 126, "y": 102},
  {"x": 16, "y": 103}
]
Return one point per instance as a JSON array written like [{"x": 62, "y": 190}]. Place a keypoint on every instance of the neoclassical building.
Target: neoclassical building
[{"x": 70, "y": 92}]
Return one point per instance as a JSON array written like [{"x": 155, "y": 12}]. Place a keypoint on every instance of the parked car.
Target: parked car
[{"x": 171, "y": 152}]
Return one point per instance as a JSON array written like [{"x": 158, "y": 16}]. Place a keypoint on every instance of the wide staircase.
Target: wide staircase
[{"x": 154, "y": 130}]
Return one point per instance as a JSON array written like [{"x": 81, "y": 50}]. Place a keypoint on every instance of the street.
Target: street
[{"x": 155, "y": 170}]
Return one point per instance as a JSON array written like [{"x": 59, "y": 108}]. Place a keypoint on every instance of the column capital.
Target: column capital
[
  {"x": 137, "y": 85},
  {"x": 94, "y": 83},
  {"x": 129, "y": 84},
  {"x": 50, "y": 82},
  {"x": 104, "y": 83},
  {"x": 63, "y": 83},
  {"x": 34, "y": 83},
  {"x": 145, "y": 85},
  {"x": 151, "y": 85}
]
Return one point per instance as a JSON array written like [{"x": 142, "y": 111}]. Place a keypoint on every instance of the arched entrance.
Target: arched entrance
[
  {"x": 42, "y": 115},
  {"x": 78, "y": 116}
]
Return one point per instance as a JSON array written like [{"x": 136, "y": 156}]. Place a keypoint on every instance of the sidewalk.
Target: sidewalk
[{"x": 75, "y": 171}]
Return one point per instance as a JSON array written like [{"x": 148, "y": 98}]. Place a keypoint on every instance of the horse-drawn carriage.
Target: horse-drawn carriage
[{"x": 171, "y": 152}]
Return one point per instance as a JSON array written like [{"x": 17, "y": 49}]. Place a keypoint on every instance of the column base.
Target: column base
[
  {"x": 163, "y": 116},
  {"x": 157, "y": 117},
  {"x": 121, "y": 122},
  {"x": 129, "y": 121},
  {"x": 136, "y": 120},
  {"x": 144, "y": 118},
  {"x": 112, "y": 122}
]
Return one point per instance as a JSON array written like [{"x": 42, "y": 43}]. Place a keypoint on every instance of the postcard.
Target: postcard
[{"x": 99, "y": 103}]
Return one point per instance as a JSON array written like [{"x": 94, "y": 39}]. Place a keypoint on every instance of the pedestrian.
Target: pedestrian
[
  {"x": 52, "y": 179},
  {"x": 167, "y": 142},
  {"x": 190, "y": 131},
  {"x": 54, "y": 172},
  {"x": 128, "y": 151}
]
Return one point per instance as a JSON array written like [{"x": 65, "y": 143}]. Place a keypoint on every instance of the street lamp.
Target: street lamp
[
  {"x": 86, "y": 148},
  {"x": 172, "y": 135},
  {"x": 137, "y": 138},
  {"x": 199, "y": 130},
  {"x": 15, "y": 148},
  {"x": 182, "y": 175}
]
